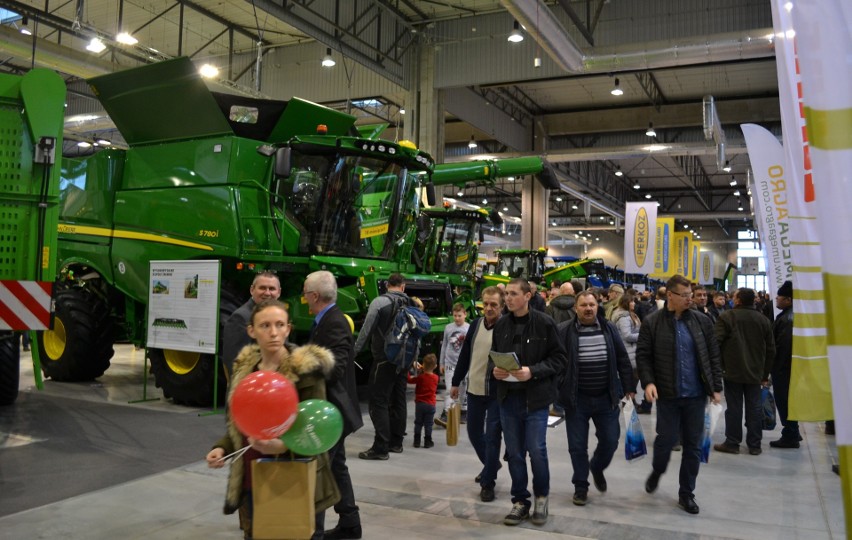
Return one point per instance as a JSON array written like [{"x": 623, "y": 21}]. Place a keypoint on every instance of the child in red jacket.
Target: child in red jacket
[{"x": 426, "y": 386}]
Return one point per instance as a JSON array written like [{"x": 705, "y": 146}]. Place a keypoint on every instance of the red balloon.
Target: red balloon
[{"x": 264, "y": 405}]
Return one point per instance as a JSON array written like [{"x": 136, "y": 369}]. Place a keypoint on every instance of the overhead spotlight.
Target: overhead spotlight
[
  {"x": 737, "y": 193},
  {"x": 208, "y": 71},
  {"x": 603, "y": 218},
  {"x": 472, "y": 143},
  {"x": 327, "y": 60},
  {"x": 698, "y": 236},
  {"x": 460, "y": 193},
  {"x": 402, "y": 110},
  {"x": 651, "y": 132},
  {"x": 84, "y": 144},
  {"x": 537, "y": 62},
  {"x": 96, "y": 45},
  {"x": 685, "y": 225},
  {"x": 126, "y": 39},
  {"x": 733, "y": 182},
  {"x": 25, "y": 29},
  {"x": 505, "y": 208},
  {"x": 553, "y": 223},
  {"x": 727, "y": 167},
  {"x": 616, "y": 90},
  {"x": 558, "y": 198},
  {"x": 484, "y": 201},
  {"x": 611, "y": 222},
  {"x": 515, "y": 36},
  {"x": 511, "y": 178},
  {"x": 597, "y": 239},
  {"x": 740, "y": 208},
  {"x": 637, "y": 186},
  {"x": 648, "y": 196},
  {"x": 618, "y": 171},
  {"x": 103, "y": 142},
  {"x": 573, "y": 207}
]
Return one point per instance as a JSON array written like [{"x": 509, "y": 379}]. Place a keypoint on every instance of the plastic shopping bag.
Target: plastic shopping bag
[
  {"x": 634, "y": 437},
  {"x": 767, "y": 404},
  {"x": 711, "y": 418}
]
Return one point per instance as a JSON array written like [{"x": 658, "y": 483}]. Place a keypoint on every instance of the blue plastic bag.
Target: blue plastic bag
[
  {"x": 634, "y": 437},
  {"x": 711, "y": 416},
  {"x": 767, "y": 403}
]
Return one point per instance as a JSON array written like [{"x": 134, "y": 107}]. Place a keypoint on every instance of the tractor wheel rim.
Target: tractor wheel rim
[
  {"x": 55, "y": 340},
  {"x": 181, "y": 362}
]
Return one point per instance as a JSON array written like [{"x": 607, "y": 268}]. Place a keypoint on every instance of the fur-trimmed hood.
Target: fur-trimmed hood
[{"x": 306, "y": 367}]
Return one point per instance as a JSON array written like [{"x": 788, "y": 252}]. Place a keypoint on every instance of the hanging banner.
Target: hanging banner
[
  {"x": 705, "y": 272},
  {"x": 770, "y": 194},
  {"x": 695, "y": 255},
  {"x": 640, "y": 221},
  {"x": 664, "y": 266},
  {"x": 682, "y": 242},
  {"x": 810, "y": 385},
  {"x": 822, "y": 31}
]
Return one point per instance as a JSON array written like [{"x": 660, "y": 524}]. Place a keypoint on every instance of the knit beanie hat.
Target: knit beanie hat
[{"x": 786, "y": 289}]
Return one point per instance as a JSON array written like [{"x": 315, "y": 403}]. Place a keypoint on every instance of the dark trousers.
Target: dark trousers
[
  {"x": 387, "y": 405},
  {"x": 424, "y": 415},
  {"x": 781, "y": 388},
  {"x": 684, "y": 418},
  {"x": 599, "y": 410},
  {"x": 346, "y": 509},
  {"x": 737, "y": 395},
  {"x": 484, "y": 431}
]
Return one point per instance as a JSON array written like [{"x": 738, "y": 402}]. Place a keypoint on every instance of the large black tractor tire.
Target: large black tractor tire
[
  {"x": 187, "y": 378},
  {"x": 10, "y": 368},
  {"x": 79, "y": 347}
]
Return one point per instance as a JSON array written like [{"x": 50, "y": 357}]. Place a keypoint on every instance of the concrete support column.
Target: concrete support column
[
  {"x": 534, "y": 202},
  {"x": 424, "y": 107}
]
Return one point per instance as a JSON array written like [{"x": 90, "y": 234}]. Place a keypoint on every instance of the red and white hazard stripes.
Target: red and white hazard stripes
[{"x": 25, "y": 305}]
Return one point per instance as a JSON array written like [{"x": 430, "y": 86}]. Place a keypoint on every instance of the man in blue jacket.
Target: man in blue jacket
[
  {"x": 679, "y": 364},
  {"x": 599, "y": 374},
  {"x": 525, "y": 396}
]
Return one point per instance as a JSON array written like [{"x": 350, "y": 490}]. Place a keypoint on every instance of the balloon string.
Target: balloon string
[{"x": 235, "y": 455}]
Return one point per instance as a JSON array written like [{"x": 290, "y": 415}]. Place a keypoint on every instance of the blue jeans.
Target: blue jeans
[
  {"x": 599, "y": 410},
  {"x": 525, "y": 433},
  {"x": 484, "y": 432},
  {"x": 683, "y": 417},
  {"x": 737, "y": 395},
  {"x": 424, "y": 415}
]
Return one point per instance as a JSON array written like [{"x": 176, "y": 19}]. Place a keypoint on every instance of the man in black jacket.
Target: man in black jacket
[
  {"x": 598, "y": 375},
  {"x": 387, "y": 385},
  {"x": 265, "y": 286},
  {"x": 782, "y": 330},
  {"x": 525, "y": 396},
  {"x": 679, "y": 365},
  {"x": 332, "y": 330}
]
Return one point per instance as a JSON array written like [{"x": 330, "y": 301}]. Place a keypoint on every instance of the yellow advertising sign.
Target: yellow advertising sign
[
  {"x": 682, "y": 248},
  {"x": 374, "y": 230},
  {"x": 664, "y": 264}
]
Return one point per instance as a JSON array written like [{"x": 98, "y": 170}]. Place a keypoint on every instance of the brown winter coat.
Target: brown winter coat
[{"x": 307, "y": 368}]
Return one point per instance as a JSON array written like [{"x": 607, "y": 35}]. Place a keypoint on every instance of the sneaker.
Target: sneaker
[
  {"x": 829, "y": 427},
  {"x": 727, "y": 448},
  {"x": 539, "y": 515},
  {"x": 652, "y": 482},
  {"x": 580, "y": 498},
  {"x": 395, "y": 449},
  {"x": 599, "y": 480},
  {"x": 687, "y": 504},
  {"x": 417, "y": 442},
  {"x": 784, "y": 443},
  {"x": 517, "y": 515},
  {"x": 373, "y": 455},
  {"x": 486, "y": 494},
  {"x": 755, "y": 451}
]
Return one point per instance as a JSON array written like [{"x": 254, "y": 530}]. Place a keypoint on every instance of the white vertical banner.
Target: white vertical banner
[
  {"x": 810, "y": 385},
  {"x": 640, "y": 222},
  {"x": 824, "y": 42},
  {"x": 770, "y": 196},
  {"x": 705, "y": 272}
]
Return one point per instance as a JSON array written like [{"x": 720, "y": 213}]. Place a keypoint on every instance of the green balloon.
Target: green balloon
[{"x": 317, "y": 428}]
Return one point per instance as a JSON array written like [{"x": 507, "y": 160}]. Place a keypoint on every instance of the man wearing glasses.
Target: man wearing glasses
[{"x": 679, "y": 364}]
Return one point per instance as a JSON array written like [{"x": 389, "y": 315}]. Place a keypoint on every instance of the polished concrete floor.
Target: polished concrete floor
[{"x": 418, "y": 494}]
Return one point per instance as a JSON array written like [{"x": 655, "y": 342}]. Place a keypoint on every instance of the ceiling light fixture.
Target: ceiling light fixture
[
  {"x": 208, "y": 71},
  {"x": 740, "y": 208},
  {"x": 733, "y": 182},
  {"x": 685, "y": 225},
  {"x": 505, "y": 208},
  {"x": 327, "y": 60},
  {"x": 651, "y": 132},
  {"x": 84, "y": 144},
  {"x": 616, "y": 90},
  {"x": 727, "y": 167},
  {"x": 484, "y": 201},
  {"x": 558, "y": 198},
  {"x": 25, "y": 29},
  {"x": 126, "y": 39},
  {"x": 553, "y": 223},
  {"x": 472, "y": 144},
  {"x": 103, "y": 142},
  {"x": 618, "y": 171},
  {"x": 511, "y": 179},
  {"x": 637, "y": 186},
  {"x": 737, "y": 193},
  {"x": 96, "y": 45},
  {"x": 402, "y": 110},
  {"x": 460, "y": 193},
  {"x": 648, "y": 196},
  {"x": 573, "y": 207},
  {"x": 515, "y": 36}
]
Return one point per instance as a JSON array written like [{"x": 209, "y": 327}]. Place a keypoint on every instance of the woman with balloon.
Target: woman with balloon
[{"x": 267, "y": 385}]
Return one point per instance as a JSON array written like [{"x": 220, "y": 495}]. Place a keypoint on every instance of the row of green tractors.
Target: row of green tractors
[{"x": 291, "y": 187}]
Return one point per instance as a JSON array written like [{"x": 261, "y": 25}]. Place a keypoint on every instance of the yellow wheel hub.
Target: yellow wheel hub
[
  {"x": 55, "y": 340},
  {"x": 181, "y": 362}
]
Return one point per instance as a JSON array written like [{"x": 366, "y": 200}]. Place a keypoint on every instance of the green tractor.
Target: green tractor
[{"x": 32, "y": 110}]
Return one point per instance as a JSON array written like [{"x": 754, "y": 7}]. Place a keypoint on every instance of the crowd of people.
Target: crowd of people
[{"x": 579, "y": 353}]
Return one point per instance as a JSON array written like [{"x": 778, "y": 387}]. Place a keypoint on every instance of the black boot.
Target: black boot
[
  {"x": 417, "y": 441},
  {"x": 427, "y": 443}
]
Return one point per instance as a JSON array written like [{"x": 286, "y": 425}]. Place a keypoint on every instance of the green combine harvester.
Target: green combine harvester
[{"x": 291, "y": 187}]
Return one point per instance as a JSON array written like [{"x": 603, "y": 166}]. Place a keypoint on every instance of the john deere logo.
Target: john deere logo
[
  {"x": 640, "y": 238},
  {"x": 705, "y": 269}
]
